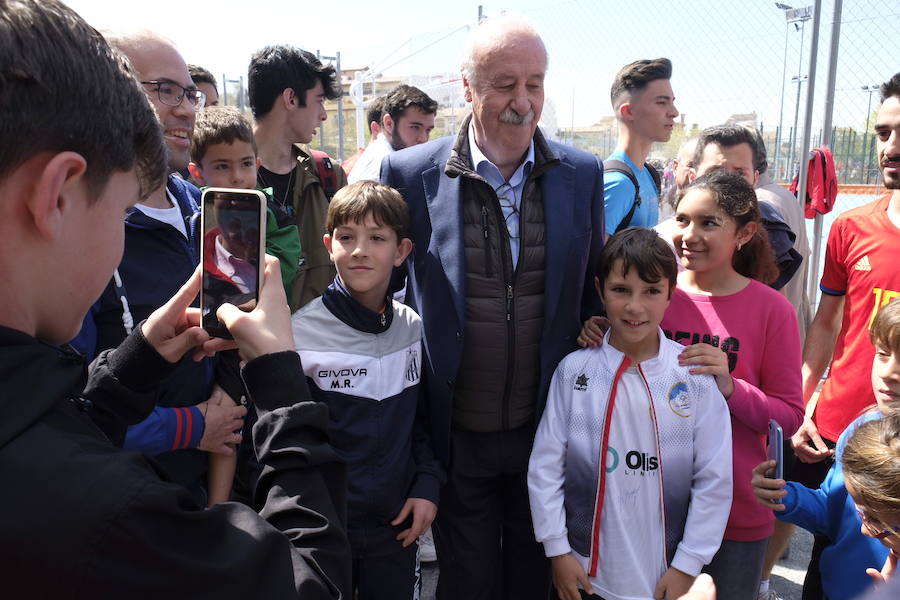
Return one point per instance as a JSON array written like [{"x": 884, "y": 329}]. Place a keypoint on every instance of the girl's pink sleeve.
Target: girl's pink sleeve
[{"x": 780, "y": 392}]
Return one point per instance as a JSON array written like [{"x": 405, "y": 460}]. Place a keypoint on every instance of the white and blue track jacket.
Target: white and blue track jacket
[{"x": 693, "y": 426}]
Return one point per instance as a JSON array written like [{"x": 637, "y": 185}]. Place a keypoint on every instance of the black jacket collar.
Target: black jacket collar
[{"x": 342, "y": 305}]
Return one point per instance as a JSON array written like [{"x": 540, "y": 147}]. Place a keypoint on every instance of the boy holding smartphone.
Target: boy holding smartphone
[
  {"x": 630, "y": 474},
  {"x": 81, "y": 517},
  {"x": 224, "y": 154},
  {"x": 362, "y": 355}
]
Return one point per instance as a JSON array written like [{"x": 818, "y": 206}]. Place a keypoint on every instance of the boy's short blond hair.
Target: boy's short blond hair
[
  {"x": 219, "y": 125},
  {"x": 354, "y": 202},
  {"x": 885, "y": 331}
]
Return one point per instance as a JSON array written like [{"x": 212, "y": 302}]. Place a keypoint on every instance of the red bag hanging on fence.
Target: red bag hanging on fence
[{"x": 821, "y": 183}]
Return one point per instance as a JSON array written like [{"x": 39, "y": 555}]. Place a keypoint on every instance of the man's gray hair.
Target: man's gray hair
[{"x": 489, "y": 35}]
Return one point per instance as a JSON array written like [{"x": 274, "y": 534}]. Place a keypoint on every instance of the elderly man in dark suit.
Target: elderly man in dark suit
[{"x": 507, "y": 228}]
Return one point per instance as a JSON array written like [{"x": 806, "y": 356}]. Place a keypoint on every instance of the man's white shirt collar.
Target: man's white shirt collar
[{"x": 479, "y": 159}]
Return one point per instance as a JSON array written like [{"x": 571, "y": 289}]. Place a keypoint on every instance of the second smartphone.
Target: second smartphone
[{"x": 776, "y": 449}]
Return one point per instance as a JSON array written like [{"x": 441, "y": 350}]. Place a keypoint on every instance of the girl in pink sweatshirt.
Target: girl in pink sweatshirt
[{"x": 745, "y": 334}]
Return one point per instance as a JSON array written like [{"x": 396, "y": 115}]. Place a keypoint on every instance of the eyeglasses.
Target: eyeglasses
[
  {"x": 876, "y": 528},
  {"x": 171, "y": 94}
]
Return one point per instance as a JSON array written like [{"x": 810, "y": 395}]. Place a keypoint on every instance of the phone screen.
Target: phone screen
[{"x": 233, "y": 239}]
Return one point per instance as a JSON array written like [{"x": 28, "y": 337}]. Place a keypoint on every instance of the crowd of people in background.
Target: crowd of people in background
[{"x": 553, "y": 373}]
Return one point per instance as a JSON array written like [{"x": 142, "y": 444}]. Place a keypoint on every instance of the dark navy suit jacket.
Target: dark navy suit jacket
[{"x": 573, "y": 214}]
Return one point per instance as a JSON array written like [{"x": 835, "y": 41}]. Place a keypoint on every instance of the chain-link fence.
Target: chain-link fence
[{"x": 743, "y": 63}]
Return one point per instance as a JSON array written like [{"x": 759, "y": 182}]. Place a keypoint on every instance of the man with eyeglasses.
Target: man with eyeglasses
[
  {"x": 161, "y": 252},
  {"x": 507, "y": 229}
]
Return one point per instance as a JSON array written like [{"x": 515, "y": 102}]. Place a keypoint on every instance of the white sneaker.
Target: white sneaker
[
  {"x": 769, "y": 595},
  {"x": 427, "y": 551}
]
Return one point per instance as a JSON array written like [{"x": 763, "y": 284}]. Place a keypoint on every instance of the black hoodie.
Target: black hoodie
[{"x": 81, "y": 518}]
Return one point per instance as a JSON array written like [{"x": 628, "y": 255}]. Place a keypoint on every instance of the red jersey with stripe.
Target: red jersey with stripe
[{"x": 862, "y": 263}]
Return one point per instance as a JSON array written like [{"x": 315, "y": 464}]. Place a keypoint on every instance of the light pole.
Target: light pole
[
  {"x": 870, "y": 89},
  {"x": 336, "y": 59},
  {"x": 240, "y": 94},
  {"x": 798, "y": 79},
  {"x": 791, "y": 15},
  {"x": 787, "y": 29}
]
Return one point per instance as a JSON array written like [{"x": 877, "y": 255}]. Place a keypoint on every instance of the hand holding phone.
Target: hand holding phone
[
  {"x": 234, "y": 225},
  {"x": 267, "y": 329},
  {"x": 769, "y": 492},
  {"x": 173, "y": 328}
]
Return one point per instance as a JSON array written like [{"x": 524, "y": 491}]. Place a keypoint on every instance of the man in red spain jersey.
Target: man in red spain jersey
[{"x": 860, "y": 276}]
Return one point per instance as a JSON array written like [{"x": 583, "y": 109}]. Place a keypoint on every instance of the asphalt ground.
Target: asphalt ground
[
  {"x": 788, "y": 574},
  {"x": 787, "y": 577}
]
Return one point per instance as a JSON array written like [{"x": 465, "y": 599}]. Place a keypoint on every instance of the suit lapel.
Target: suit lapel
[
  {"x": 444, "y": 200},
  {"x": 558, "y": 189}
]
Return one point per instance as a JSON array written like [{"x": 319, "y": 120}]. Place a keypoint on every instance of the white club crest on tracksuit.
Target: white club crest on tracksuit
[{"x": 412, "y": 365}]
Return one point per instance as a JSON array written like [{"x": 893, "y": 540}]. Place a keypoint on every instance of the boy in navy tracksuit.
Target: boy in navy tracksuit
[{"x": 362, "y": 355}]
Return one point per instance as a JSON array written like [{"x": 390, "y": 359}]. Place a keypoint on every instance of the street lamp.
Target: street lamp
[
  {"x": 791, "y": 15},
  {"x": 798, "y": 79},
  {"x": 240, "y": 101},
  {"x": 336, "y": 60},
  {"x": 870, "y": 89}
]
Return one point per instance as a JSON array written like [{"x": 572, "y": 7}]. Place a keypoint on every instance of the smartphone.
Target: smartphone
[
  {"x": 776, "y": 449},
  {"x": 232, "y": 252}
]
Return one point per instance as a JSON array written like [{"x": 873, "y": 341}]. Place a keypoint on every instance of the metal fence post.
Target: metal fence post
[{"x": 813, "y": 272}]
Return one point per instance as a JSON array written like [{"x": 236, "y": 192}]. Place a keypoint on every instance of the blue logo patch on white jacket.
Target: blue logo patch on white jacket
[{"x": 680, "y": 399}]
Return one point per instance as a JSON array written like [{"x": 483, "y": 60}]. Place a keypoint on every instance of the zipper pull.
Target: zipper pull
[
  {"x": 484, "y": 221},
  {"x": 509, "y": 299},
  {"x": 83, "y": 404},
  {"x": 383, "y": 319}
]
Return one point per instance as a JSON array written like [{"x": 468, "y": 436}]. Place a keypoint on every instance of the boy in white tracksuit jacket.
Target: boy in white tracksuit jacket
[{"x": 646, "y": 523}]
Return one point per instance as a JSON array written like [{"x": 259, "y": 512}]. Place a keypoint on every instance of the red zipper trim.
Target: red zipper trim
[
  {"x": 659, "y": 459},
  {"x": 604, "y": 446}
]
